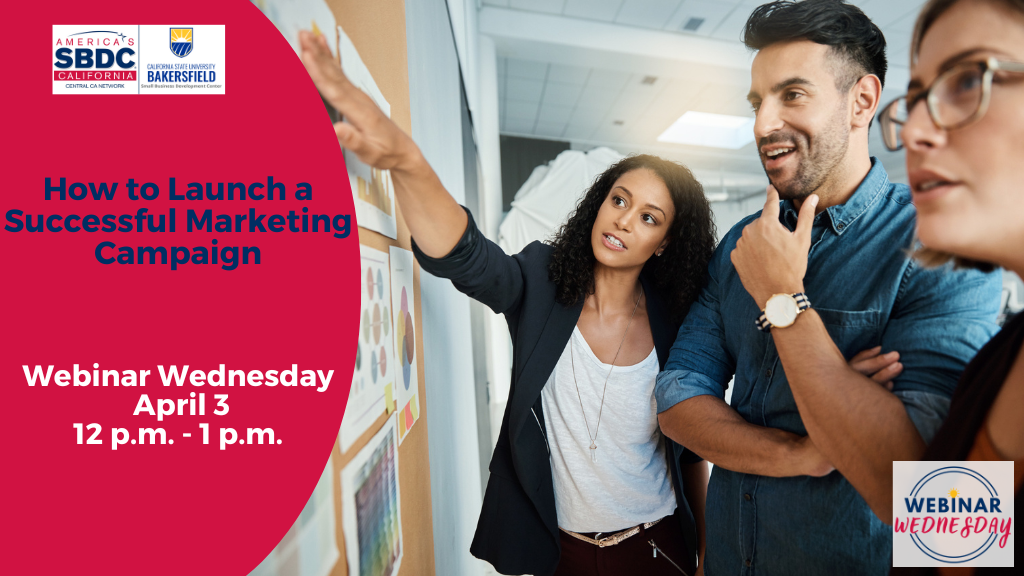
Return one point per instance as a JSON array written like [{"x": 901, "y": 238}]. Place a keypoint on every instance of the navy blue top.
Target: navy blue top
[{"x": 868, "y": 292}]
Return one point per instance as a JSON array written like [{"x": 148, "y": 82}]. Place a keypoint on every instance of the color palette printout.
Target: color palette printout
[
  {"x": 373, "y": 380},
  {"x": 403, "y": 312},
  {"x": 371, "y": 507}
]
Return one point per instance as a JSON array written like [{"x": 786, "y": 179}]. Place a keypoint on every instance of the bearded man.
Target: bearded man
[{"x": 802, "y": 482}]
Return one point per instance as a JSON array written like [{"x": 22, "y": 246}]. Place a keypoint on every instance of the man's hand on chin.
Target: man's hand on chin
[{"x": 768, "y": 257}]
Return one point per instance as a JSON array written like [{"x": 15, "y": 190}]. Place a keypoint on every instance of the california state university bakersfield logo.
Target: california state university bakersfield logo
[{"x": 181, "y": 41}]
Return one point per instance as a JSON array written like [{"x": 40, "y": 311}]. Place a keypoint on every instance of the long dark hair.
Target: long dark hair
[{"x": 678, "y": 274}]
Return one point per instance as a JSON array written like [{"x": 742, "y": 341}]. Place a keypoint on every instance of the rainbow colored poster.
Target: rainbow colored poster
[
  {"x": 371, "y": 510},
  {"x": 403, "y": 312},
  {"x": 373, "y": 381}
]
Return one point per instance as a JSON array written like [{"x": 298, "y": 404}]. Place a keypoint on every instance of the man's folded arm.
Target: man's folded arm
[{"x": 691, "y": 406}]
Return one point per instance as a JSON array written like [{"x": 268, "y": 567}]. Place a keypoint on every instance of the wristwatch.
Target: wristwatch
[{"x": 781, "y": 311}]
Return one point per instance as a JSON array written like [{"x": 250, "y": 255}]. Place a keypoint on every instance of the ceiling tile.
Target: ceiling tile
[
  {"x": 885, "y": 12},
  {"x": 597, "y": 97},
  {"x": 578, "y": 132},
  {"x": 609, "y": 132},
  {"x": 551, "y": 130},
  {"x": 605, "y": 10},
  {"x": 524, "y": 89},
  {"x": 647, "y": 13},
  {"x": 716, "y": 94},
  {"x": 519, "y": 126},
  {"x": 526, "y": 69},
  {"x": 548, "y": 6},
  {"x": 607, "y": 79},
  {"x": 711, "y": 11},
  {"x": 568, "y": 74},
  {"x": 520, "y": 110},
  {"x": 731, "y": 27},
  {"x": 558, "y": 94},
  {"x": 556, "y": 114}
]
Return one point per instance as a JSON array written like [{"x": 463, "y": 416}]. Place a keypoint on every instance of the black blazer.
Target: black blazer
[{"x": 518, "y": 527}]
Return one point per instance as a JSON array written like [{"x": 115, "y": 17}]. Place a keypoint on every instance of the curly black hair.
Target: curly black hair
[
  {"x": 678, "y": 274},
  {"x": 853, "y": 37}
]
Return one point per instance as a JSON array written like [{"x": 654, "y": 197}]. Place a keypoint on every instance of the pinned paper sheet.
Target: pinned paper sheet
[
  {"x": 371, "y": 507},
  {"x": 291, "y": 16},
  {"x": 374, "y": 376},
  {"x": 372, "y": 189},
  {"x": 389, "y": 399},
  {"x": 403, "y": 312}
]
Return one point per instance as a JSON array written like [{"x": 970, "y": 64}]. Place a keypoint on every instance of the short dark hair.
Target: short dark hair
[{"x": 855, "y": 40}]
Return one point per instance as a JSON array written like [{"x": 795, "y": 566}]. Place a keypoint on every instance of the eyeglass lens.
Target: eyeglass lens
[
  {"x": 958, "y": 96},
  {"x": 955, "y": 98}
]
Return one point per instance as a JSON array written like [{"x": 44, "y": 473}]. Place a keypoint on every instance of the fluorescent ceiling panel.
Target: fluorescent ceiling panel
[{"x": 713, "y": 130}]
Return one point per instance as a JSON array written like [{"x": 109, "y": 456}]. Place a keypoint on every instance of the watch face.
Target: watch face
[{"x": 781, "y": 310}]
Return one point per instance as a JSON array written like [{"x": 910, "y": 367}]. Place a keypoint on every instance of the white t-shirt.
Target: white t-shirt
[{"x": 629, "y": 482}]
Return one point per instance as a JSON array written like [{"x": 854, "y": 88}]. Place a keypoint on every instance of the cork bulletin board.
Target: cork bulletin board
[
  {"x": 377, "y": 29},
  {"x": 379, "y": 466}
]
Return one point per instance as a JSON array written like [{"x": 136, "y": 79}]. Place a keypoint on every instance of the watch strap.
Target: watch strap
[{"x": 802, "y": 303}]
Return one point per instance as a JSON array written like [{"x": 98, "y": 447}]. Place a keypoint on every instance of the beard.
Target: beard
[{"x": 817, "y": 157}]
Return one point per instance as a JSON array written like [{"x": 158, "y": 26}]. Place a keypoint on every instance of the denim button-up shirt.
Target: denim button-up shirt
[{"x": 868, "y": 292}]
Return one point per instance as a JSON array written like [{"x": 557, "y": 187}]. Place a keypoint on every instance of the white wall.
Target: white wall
[{"x": 455, "y": 482}]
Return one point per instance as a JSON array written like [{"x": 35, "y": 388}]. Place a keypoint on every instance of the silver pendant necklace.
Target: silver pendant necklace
[{"x": 593, "y": 437}]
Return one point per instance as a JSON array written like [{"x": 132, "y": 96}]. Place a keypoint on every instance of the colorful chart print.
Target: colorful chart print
[
  {"x": 404, "y": 316},
  {"x": 374, "y": 374},
  {"x": 310, "y": 547},
  {"x": 371, "y": 507},
  {"x": 405, "y": 336},
  {"x": 376, "y": 191}
]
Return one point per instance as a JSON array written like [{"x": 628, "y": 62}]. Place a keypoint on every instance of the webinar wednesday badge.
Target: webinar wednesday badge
[{"x": 952, "y": 514}]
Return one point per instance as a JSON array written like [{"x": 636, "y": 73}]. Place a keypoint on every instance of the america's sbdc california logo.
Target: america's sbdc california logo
[
  {"x": 95, "y": 59},
  {"x": 952, "y": 514},
  {"x": 181, "y": 41}
]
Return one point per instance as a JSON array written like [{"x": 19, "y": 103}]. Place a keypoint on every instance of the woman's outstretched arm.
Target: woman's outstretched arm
[{"x": 434, "y": 218}]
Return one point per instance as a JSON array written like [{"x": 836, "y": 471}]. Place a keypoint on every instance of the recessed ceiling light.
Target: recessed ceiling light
[
  {"x": 714, "y": 130},
  {"x": 693, "y": 24}
]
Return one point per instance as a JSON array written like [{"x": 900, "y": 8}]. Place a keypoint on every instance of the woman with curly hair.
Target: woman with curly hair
[{"x": 582, "y": 480}]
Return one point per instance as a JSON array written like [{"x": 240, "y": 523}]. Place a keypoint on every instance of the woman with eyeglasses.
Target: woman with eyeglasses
[{"x": 962, "y": 124}]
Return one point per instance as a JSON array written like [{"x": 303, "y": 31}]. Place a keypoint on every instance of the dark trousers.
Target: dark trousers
[{"x": 634, "y": 555}]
